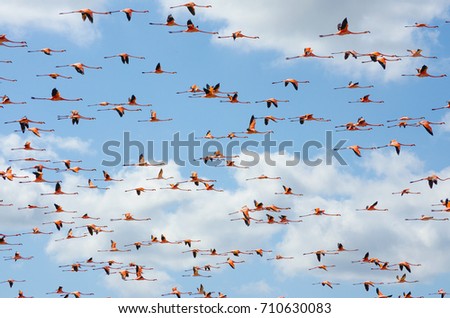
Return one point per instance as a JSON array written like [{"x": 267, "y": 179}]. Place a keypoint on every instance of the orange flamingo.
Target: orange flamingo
[
  {"x": 209, "y": 187},
  {"x": 125, "y": 57},
  {"x": 58, "y": 191},
  {"x": 139, "y": 190},
  {"x": 85, "y": 217},
  {"x": 319, "y": 212},
  {"x": 354, "y": 85},
  {"x": 29, "y": 159},
  {"x": 361, "y": 122},
  {"x": 252, "y": 128},
  {"x": 77, "y": 169},
  {"x": 170, "y": 21},
  {"x": 54, "y": 75},
  {"x": 107, "y": 177},
  {"x": 160, "y": 176},
  {"x": 440, "y": 292},
  {"x": 120, "y": 110},
  {"x": 320, "y": 253},
  {"x": 129, "y": 12},
  {"x": 405, "y": 265},
  {"x": 442, "y": 107},
  {"x": 231, "y": 262},
  {"x": 3, "y": 241},
  {"x": 24, "y": 123},
  {"x": 70, "y": 236},
  {"x": 423, "y": 72},
  {"x": 341, "y": 248},
  {"x": 77, "y": 294},
  {"x": 8, "y": 174},
  {"x": 75, "y": 117},
  {"x": 57, "y": 97},
  {"x": 357, "y": 149},
  {"x": 272, "y": 101},
  {"x": 372, "y": 207},
  {"x": 397, "y": 145},
  {"x": 129, "y": 217},
  {"x": 92, "y": 228},
  {"x": 86, "y": 13},
  {"x": 367, "y": 259},
  {"x": 383, "y": 266},
  {"x": 21, "y": 295},
  {"x": 47, "y": 51},
  {"x": 138, "y": 245},
  {"x": 191, "y": 28},
  {"x": 323, "y": 267},
  {"x": 326, "y": 283},
  {"x": 132, "y": 102},
  {"x": 176, "y": 292},
  {"x": 91, "y": 185},
  {"x": 285, "y": 220},
  {"x": 308, "y": 52},
  {"x": 366, "y": 99},
  {"x": 402, "y": 124},
  {"x": 27, "y": 146},
  {"x": 427, "y": 218},
  {"x": 279, "y": 257},
  {"x": 4, "y": 39},
  {"x": 405, "y": 191},
  {"x": 143, "y": 163},
  {"x": 381, "y": 59},
  {"x": 367, "y": 284},
  {"x": 343, "y": 30},
  {"x": 195, "y": 273},
  {"x": 404, "y": 118},
  {"x": 12, "y": 281},
  {"x": 7, "y": 101},
  {"x": 191, "y": 6},
  {"x": 307, "y": 117},
  {"x": 192, "y": 89},
  {"x": 154, "y": 118},
  {"x": 174, "y": 186},
  {"x": 237, "y": 35},
  {"x": 432, "y": 180},
  {"x": 288, "y": 191},
  {"x": 58, "y": 223},
  {"x": 209, "y": 135},
  {"x": 291, "y": 81},
  {"x": 17, "y": 257},
  {"x": 381, "y": 295},
  {"x": 59, "y": 209},
  {"x": 418, "y": 53},
  {"x": 233, "y": 99},
  {"x": 427, "y": 125},
  {"x": 114, "y": 248},
  {"x": 33, "y": 206},
  {"x": 36, "y": 131},
  {"x": 159, "y": 70},
  {"x": 263, "y": 177},
  {"x": 79, "y": 67},
  {"x": 402, "y": 279},
  {"x": 67, "y": 162},
  {"x": 421, "y": 25},
  {"x": 348, "y": 53}
]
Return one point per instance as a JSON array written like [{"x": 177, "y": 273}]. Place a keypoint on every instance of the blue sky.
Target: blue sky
[{"x": 248, "y": 66}]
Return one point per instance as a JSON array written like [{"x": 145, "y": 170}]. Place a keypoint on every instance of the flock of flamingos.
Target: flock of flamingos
[{"x": 10, "y": 242}]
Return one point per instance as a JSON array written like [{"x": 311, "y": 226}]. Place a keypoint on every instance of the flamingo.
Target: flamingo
[
  {"x": 381, "y": 295},
  {"x": 291, "y": 81},
  {"x": 24, "y": 123},
  {"x": 341, "y": 248},
  {"x": 307, "y": 117},
  {"x": 154, "y": 118},
  {"x": 8, "y": 174},
  {"x": 252, "y": 128},
  {"x": 77, "y": 169},
  {"x": 209, "y": 187},
  {"x": 397, "y": 145},
  {"x": 404, "y": 118},
  {"x": 372, "y": 207},
  {"x": 233, "y": 99},
  {"x": 366, "y": 99},
  {"x": 8, "y": 79},
  {"x": 77, "y": 294},
  {"x": 323, "y": 267},
  {"x": 59, "y": 209},
  {"x": 70, "y": 236},
  {"x": 343, "y": 30},
  {"x": 368, "y": 283},
  {"x": 12, "y": 281},
  {"x": 160, "y": 176},
  {"x": 440, "y": 292},
  {"x": 405, "y": 191},
  {"x": 125, "y": 57},
  {"x": 58, "y": 223},
  {"x": 354, "y": 85},
  {"x": 442, "y": 107},
  {"x": 191, "y": 6},
  {"x": 57, "y": 97},
  {"x": 237, "y": 35},
  {"x": 27, "y": 146},
  {"x": 279, "y": 257},
  {"x": 85, "y": 217},
  {"x": 209, "y": 135},
  {"x": 192, "y": 89},
  {"x": 432, "y": 180},
  {"x": 143, "y": 163},
  {"x": 58, "y": 191},
  {"x": 288, "y": 191},
  {"x": 195, "y": 273},
  {"x": 326, "y": 283},
  {"x": 427, "y": 218},
  {"x": 319, "y": 212},
  {"x": 423, "y": 72},
  {"x": 54, "y": 75},
  {"x": 129, "y": 12},
  {"x": 231, "y": 262},
  {"x": 92, "y": 228},
  {"x": 129, "y": 217},
  {"x": 176, "y": 292},
  {"x": 132, "y": 101},
  {"x": 47, "y": 51},
  {"x": 421, "y": 25},
  {"x": 121, "y": 110},
  {"x": 159, "y": 70},
  {"x": 174, "y": 186},
  {"x": 4, "y": 39},
  {"x": 405, "y": 265},
  {"x": 402, "y": 279},
  {"x": 263, "y": 177},
  {"x": 320, "y": 253},
  {"x": 418, "y": 53},
  {"x": 79, "y": 67},
  {"x": 36, "y": 131},
  {"x": 170, "y": 21},
  {"x": 67, "y": 162},
  {"x": 91, "y": 185},
  {"x": 382, "y": 266},
  {"x": 75, "y": 117},
  {"x": 402, "y": 124},
  {"x": 381, "y": 59},
  {"x": 308, "y": 52},
  {"x": 29, "y": 159},
  {"x": 348, "y": 53},
  {"x": 191, "y": 28},
  {"x": 17, "y": 257},
  {"x": 3, "y": 241},
  {"x": 33, "y": 206},
  {"x": 366, "y": 259},
  {"x": 285, "y": 220},
  {"x": 272, "y": 101},
  {"x": 427, "y": 125},
  {"x": 86, "y": 13},
  {"x": 107, "y": 177},
  {"x": 357, "y": 149},
  {"x": 21, "y": 295},
  {"x": 139, "y": 190},
  {"x": 114, "y": 248},
  {"x": 7, "y": 101}
]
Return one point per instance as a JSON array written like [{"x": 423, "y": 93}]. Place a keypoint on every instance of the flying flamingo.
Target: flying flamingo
[
  {"x": 75, "y": 117},
  {"x": 361, "y": 122},
  {"x": 418, "y": 53},
  {"x": 233, "y": 99},
  {"x": 404, "y": 118},
  {"x": 368, "y": 283},
  {"x": 381, "y": 59},
  {"x": 252, "y": 128},
  {"x": 8, "y": 174},
  {"x": 381, "y": 295},
  {"x": 174, "y": 186},
  {"x": 421, "y": 25},
  {"x": 154, "y": 118},
  {"x": 138, "y": 245},
  {"x": 132, "y": 101},
  {"x": 92, "y": 228},
  {"x": 192, "y": 89},
  {"x": 139, "y": 190},
  {"x": 348, "y": 53},
  {"x": 288, "y": 191},
  {"x": 12, "y": 281},
  {"x": 79, "y": 67},
  {"x": 4, "y": 39},
  {"x": 27, "y": 146},
  {"x": 423, "y": 72},
  {"x": 191, "y": 28},
  {"x": 70, "y": 236},
  {"x": 237, "y": 35},
  {"x": 307, "y": 117},
  {"x": 54, "y": 75},
  {"x": 402, "y": 279},
  {"x": 323, "y": 267},
  {"x": 143, "y": 163},
  {"x": 432, "y": 180},
  {"x": 59, "y": 209},
  {"x": 272, "y": 101},
  {"x": 30, "y": 159},
  {"x": 160, "y": 176},
  {"x": 67, "y": 162},
  {"x": 32, "y": 206},
  {"x": 24, "y": 123},
  {"x": 394, "y": 143},
  {"x": 402, "y": 124},
  {"x": 114, "y": 248},
  {"x": 57, "y": 97},
  {"x": 17, "y": 257},
  {"x": 85, "y": 217},
  {"x": 3, "y": 241},
  {"x": 209, "y": 187},
  {"x": 129, "y": 217},
  {"x": 86, "y": 13},
  {"x": 77, "y": 294},
  {"x": 125, "y": 57},
  {"x": 209, "y": 135},
  {"x": 120, "y": 110},
  {"x": 427, "y": 218},
  {"x": 7, "y": 101},
  {"x": 47, "y": 51},
  {"x": 319, "y": 212},
  {"x": 191, "y": 6},
  {"x": 176, "y": 292},
  {"x": 320, "y": 253},
  {"x": 366, "y": 99},
  {"x": 357, "y": 149},
  {"x": 382, "y": 266},
  {"x": 159, "y": 70},
  {"x": 405, "y": 265},
  {"x": 291, "y": 81},
  {"x": 91, "y": 185},
  {"x": 354, "y": 85},
  {"x": 308, "y": 52},
  {"x": 58, "y": 223},
  {"x": 326, "y": 283},
  {"x": 443, "y": 107},
  {"x": 372, "y": 207},
  {"x": 279, "y": 257},
  {"x": 36, "y": 131},
  {"x": 230, "y": 262},
  {"x": 58, "y": 191},
  {"x": 343, "y": 30},
  {"x": 285, "y": 220},
  {"x": 195, "y": 273},
  {"x": 107, "y": 177},
  {"x": 170, "y": 21},
  {"x": 440, "y": 292},
  {"x": 263, "y": 177},
  {"x": 427, "y": 125},
  {"x": 405, "y": 191},
  {"x": 129, "y": 12},
  {"x": 77, "y": 169},
  {"x": 367, "y": 259}
]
